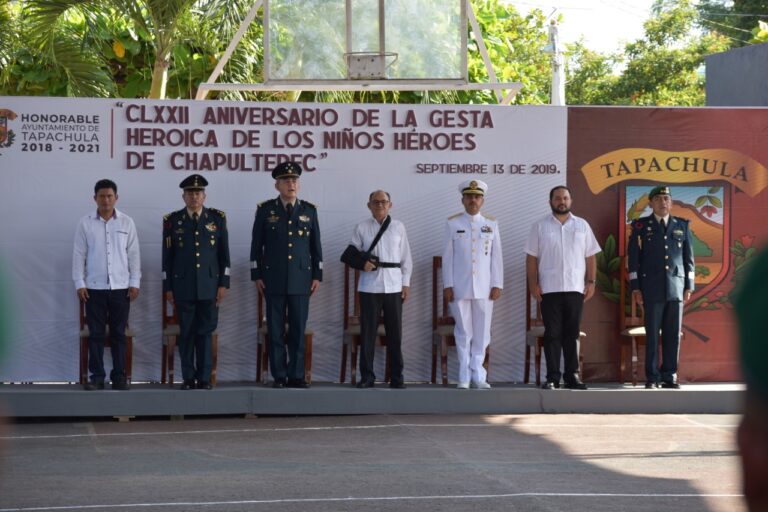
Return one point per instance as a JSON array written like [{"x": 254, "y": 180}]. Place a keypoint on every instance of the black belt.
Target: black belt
[{"x": 384, "y": 264}]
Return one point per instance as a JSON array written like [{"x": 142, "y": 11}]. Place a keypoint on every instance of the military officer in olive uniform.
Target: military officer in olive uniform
[
  {"x": 287, "y": 266},
  {"x": 196, "y": 277},
  {"x": 661, "y": 275}
]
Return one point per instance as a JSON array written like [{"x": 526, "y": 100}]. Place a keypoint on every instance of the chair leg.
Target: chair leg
[
  {"x": 214, "y": 357},
  {"x": 537, "y": 359},
  {"x": 355, "y": 340},
  {"x": 622, "y": 363},
  {"x": 444, "y": 360},
  {"x": 128, "y": 358},
  {"x": 308, "y": 358},
  {"x": 434, "y": 359},
  {"x": 343, "y": 371},
  {"x": 83, "y": 360},
  {"x": 634, "y": 362},
  {"x": 164, "y": 362},
  {"x": 258, "y": 358},
  {"x": 527, "y": 371},
  {"x": 171, "y": 355}
]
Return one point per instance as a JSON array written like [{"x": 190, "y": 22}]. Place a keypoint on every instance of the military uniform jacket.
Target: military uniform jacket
[
  {"x": 661, "y": 263},
  {"x": 286, "y": 252},
  {"x": 472, "y": 261},
  {"x": 195, "y": 258}
]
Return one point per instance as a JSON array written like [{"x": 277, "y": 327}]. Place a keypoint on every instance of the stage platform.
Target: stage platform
[{"x": 70, "y": 400}]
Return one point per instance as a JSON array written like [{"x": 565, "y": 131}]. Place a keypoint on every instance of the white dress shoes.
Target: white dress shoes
[
  {"x": 462, "y": 385},
  {"x": 481, "y": 385}
]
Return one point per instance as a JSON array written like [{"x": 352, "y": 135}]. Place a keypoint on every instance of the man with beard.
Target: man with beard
[
  {"x": 661, "y": 276},
  {"x": 561, "y": 269}
]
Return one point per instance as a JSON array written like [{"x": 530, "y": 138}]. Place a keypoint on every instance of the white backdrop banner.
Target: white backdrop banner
[{"x": 53, "y": 150}]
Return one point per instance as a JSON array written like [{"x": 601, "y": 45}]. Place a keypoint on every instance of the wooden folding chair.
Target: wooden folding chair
[
  {"x": 171, "y": 332},
  {"x": 262, "y": 345},
  {"x": 351, "y": 339},
  {"x": 85, "y": 334}
]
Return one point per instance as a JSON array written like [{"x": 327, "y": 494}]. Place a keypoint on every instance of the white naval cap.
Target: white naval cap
[{"x": 473, "y": 187}]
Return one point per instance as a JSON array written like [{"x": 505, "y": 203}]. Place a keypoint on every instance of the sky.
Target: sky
[{"x": 605, "y": 24}]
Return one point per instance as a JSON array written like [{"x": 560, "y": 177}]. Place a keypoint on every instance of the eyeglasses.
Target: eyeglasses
[{"x": 383, "y": 202}]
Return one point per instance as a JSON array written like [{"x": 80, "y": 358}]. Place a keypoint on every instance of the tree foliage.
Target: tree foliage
[
  {"x": 664, "y": 67},
  {"x": 738, "y": 20}
]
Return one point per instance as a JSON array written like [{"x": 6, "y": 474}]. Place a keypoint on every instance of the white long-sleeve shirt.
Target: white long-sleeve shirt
[
  {"x": 393, "y": 247},
  {"x": 472, "y": 260},
  {"x": 106, "y": 254}
]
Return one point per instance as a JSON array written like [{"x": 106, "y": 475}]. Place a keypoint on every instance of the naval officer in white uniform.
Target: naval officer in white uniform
[{"x": 473, "y": 276}]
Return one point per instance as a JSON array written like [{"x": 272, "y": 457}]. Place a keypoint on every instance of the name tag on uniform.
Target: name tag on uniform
[{"x": 460, "y": 231}]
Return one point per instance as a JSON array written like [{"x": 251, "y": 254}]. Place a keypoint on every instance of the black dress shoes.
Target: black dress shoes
[
  {"x": 576, "y": 384},
  {"x": 121, "y": 385},
  {"x": 550, "y": 385},
  {"x": 298, "y": 383},
  {"x": 204, "y": 385},
  {"x": 651, "y": 385},
  {"x": 365, "y": 384},
  {"x": 93, "y": 386},
  {"x": 397, "y": 385},
  {"x": 187, "y": 384},
  {"x": 278, "y": 383},
  {"x": 668, "y": 384}
]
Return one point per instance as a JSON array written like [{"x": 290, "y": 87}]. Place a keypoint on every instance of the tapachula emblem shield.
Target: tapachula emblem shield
[{"x": 6, "y": 135}]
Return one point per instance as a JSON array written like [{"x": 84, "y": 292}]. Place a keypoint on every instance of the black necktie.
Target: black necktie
[
  {"x": 195, "y": 218},
  {"x": 663, "y": 225},
  {"x": 289, "y": 209}
]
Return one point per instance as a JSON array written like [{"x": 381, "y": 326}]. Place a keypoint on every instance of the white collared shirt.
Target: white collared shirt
[
  {"x": 561, "y": 251},
  {"x": 106, "y": 254},
  {"x": 393, "y": 247},
  {"x": 472, "y": 260}
]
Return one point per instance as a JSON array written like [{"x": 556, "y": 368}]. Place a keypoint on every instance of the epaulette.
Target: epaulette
[
  {"x": 680, "y": 219},
  {"x": 489, "y": 217},
  {"x": 166, "y": 216},
  {"x": 309, "y": 204},
  {"x": 219, "y": 212},
  {"x": 455, "y": 215},
  {"x": 264, "y": 202}
]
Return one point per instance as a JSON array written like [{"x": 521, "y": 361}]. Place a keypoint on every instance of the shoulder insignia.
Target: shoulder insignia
[
  {"x": 263, "y": 203},
  {"x": 218, "y": 211},
  {"x": 489, "y": 217},
  {"x": 455, "y": 215},
  {"x": 308, "y": 204},
  {"x": 166, "y": 216}
]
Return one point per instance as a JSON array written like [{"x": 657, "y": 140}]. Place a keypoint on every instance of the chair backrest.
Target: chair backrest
[
  {"x": 533, "y": 316},
  {"x": 169, "y": 311},
  {"x": 440, "y": 311},
  {"x": 630, "y": 310}
]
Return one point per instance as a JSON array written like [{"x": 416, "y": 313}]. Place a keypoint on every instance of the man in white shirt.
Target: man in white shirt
[
  {"x": 473, "y": 276},
  {"x": 384, "y": 286},
  {"x": 106, "y": 268},
  {"x": 561, "y": 269}
]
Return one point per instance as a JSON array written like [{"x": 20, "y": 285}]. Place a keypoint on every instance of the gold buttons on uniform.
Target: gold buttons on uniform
[
  {"x": 198, "y": 265},
  {"x": 197, "y": 254},
  {"x": 666, "y": 267},
  {"x": 290, "y": 245},
  {"x": 666, "y": 256},
  {"x": 290, "y": 222},
  {"x": 290, "y": 233},
  {"x": 197, "y": 243},
  {"x": 197, "y": 232},
  {"x": 290, "y": 257}
]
